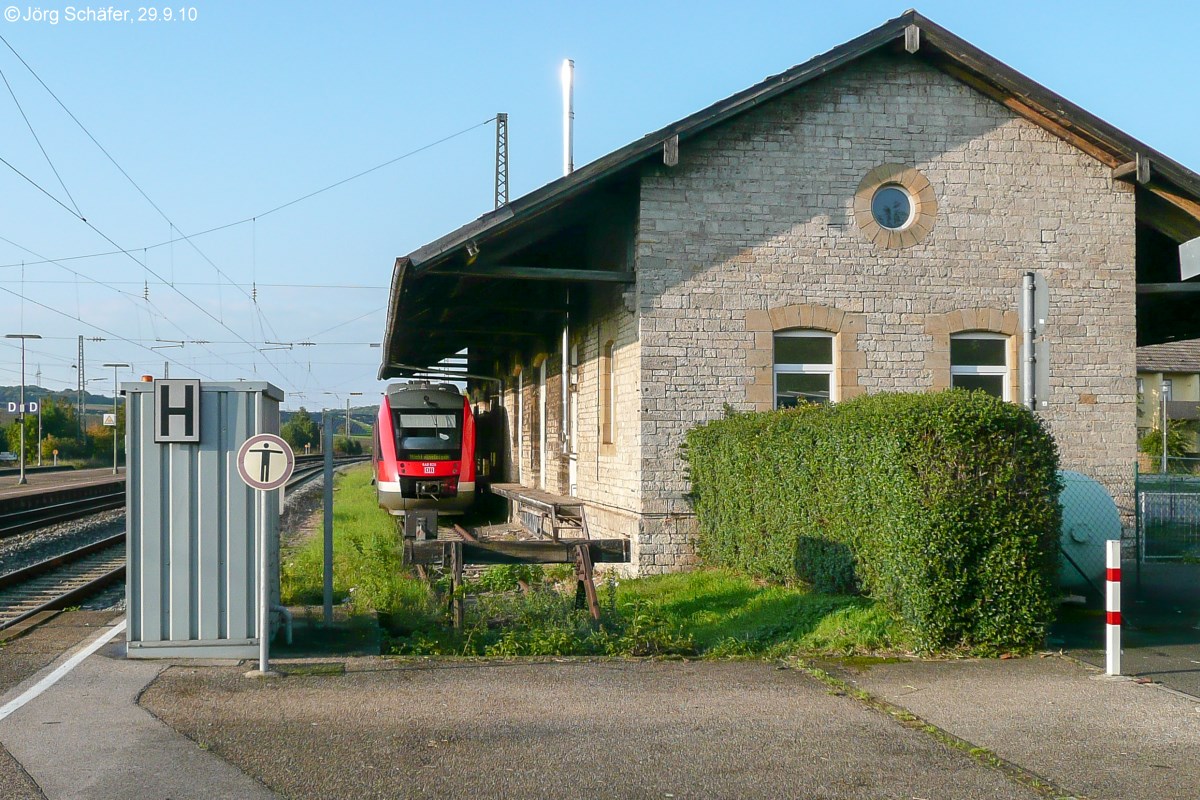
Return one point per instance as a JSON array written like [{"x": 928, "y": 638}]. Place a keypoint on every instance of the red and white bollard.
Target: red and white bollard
[{"x": 1112, "y": 605}]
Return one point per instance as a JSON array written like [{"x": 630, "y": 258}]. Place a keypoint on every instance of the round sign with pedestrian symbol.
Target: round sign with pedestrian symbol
[{"x": 265, "y": 462}]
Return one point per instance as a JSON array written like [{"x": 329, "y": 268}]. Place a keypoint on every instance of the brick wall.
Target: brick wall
[{"x": 759, "y": 215}]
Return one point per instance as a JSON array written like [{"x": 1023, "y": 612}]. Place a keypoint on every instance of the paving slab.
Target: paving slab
[
  {"x": 37, "y": 482},
  {"x": 614, "y": 729},
  {"x": 1096, "y": 736},
  {"x": 34, "y": 649},
  {"x": 86, "y": 738},
  {"x": 24, "y": 653}
]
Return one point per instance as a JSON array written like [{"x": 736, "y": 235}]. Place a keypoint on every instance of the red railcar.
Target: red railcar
[{"x": 425, "y": 448}]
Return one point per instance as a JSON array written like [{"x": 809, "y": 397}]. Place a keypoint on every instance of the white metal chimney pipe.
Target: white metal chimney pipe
[{"x": 568, "y": 90}]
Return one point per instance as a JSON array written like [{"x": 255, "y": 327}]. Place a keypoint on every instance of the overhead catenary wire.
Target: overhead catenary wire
[
  {"x": 220, "y": 320},
  {"x": 128, "y": 295},
  {"x": 94, "y": 326},
  {"x": 260, "y": 314},
  {"x": 252, "y": 218},
  {"x": 111, "y": 284},
  {"x": 37, "y": 139},
  {"x": 132, "y": 257}
]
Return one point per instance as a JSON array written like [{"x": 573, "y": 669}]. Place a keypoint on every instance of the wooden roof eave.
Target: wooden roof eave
[{"x": 390, "y": 328}]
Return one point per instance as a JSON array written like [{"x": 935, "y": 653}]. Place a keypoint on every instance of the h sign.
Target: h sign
[{"x": 177, "y": 411}]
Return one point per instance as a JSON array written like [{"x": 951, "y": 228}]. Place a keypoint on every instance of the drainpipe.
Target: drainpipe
[
  {"x": 564, "y": 435},
  {"x": 1028, "y": 395}
]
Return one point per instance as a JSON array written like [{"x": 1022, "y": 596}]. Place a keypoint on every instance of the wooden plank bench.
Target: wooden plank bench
[
  {"x": 453, "y": 554},
  {"x": 565, "y": 516}
]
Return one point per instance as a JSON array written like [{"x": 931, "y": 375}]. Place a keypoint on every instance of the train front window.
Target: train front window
[{"x": 428, "y": 431}]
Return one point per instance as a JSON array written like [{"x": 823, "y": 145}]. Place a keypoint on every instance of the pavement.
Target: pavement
[
  {"x": 366, "y": 727},
  {"x": 1160, "y": 629},
  {"x": 87, "y": 737},
  {"x": 1083, "y": 732}
]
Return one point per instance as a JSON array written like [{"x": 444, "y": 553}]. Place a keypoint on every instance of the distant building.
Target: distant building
[
  {"x": 862, "y": 222},
  {"x": 1171, "y": 369}
]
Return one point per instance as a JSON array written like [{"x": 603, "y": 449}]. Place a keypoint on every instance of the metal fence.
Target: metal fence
[{"x": 1168, "y": 512}]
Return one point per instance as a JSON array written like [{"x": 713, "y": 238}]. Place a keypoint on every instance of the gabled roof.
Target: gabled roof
[
  {"x": 1181, "y": 356},
  {"x": 1130, "y": 159}
]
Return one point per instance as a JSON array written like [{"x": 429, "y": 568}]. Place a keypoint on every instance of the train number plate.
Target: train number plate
[{"x": 429, "y": 468}]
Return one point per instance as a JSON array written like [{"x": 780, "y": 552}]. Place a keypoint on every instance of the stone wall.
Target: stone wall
[
  {"x": 759, "y": 216},
  {"x": 607, "y": 477}
]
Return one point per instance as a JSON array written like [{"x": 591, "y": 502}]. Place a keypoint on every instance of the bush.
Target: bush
[
  {"x": 344, "y": 445},
  {"x": 944, "y": 507},
  {"x": 1179, "y": 440}
]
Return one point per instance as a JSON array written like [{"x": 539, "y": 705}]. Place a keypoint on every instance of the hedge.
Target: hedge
[{"x": 943, "y": 506}]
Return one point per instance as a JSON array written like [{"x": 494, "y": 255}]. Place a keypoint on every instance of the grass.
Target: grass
[
  {"x": 367, "y": 568},
  {"x": 711, "y": 613},
  {"x": 729, "y": 614}
]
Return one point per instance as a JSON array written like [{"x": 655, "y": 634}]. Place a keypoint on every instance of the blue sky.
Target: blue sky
[{"x": 252, "y": 105}]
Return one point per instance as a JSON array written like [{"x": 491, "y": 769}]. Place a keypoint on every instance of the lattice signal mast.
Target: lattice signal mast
[
  {"x": 82, "y": 393},
  {"x": 501, "y": 159}
]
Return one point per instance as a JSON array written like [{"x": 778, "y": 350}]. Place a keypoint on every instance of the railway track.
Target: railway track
[
  {"x": 32, "y": 511},
  {"x": 37, "y": 510},
  {"x": 61, "y": 581},
  {"x": 66, "y": 579}
]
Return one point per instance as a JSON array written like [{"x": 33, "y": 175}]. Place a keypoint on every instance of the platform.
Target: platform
[{"x": 39, "y": 482}]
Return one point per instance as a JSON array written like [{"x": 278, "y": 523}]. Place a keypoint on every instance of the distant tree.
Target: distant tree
[
  {"x": 101, "y": 437},
  {"x": 300, "y": 430},
  {"x": 1178, "y": 441},
  {"x": 346, "y": 446},
  {"x": 59, "y": 418}
]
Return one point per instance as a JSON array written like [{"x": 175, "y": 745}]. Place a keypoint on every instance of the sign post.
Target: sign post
[{"x": 264, "y": 462}]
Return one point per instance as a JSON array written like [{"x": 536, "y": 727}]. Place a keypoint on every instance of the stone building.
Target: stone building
[{"x": 863, "y": 222}]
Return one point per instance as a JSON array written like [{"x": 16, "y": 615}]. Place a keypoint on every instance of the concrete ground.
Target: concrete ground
[
  {"x": 618, "y": 729},
  {"x": 1160, "y": 631},
  {"x": 366, "y": 727},
  {"x": 87, "y": 738},
  {"x": 1097, "y": 736},
  {"x": 25, "y": 656}
]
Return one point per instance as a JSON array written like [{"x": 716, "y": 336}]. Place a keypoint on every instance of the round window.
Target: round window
[{"x": 892, "y": 207}]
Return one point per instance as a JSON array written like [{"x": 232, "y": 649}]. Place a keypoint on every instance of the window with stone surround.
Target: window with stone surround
[
  {"x": 980, "y": 360},
  {"x": 608, "y": 393},
  {"x": 803, "y": 367}
]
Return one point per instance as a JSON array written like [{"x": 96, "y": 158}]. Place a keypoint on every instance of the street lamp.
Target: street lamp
[
  {"x": 22, "y": 336},
  {"x": 116, "y": 427}
]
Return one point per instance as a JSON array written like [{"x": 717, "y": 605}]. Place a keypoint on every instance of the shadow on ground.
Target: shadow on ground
[{"x": 1160, "y": 626}]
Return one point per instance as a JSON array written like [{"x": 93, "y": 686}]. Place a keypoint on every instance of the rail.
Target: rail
[
  {"x": 65, "y": 579},
  {"x": 61, "y": 581},
  {"x": 63, "y": 504}
]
